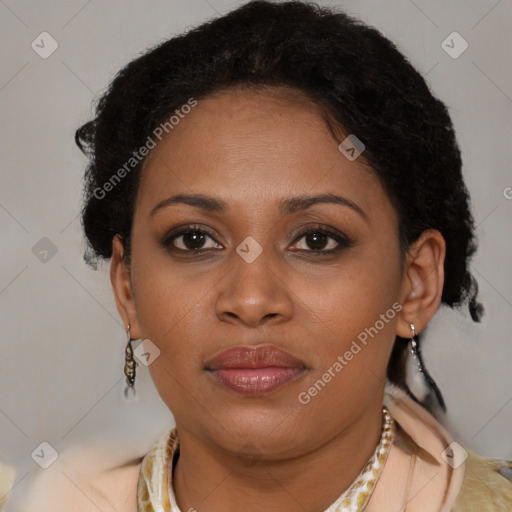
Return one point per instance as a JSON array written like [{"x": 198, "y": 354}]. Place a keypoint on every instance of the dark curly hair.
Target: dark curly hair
[{"x": 359, "y": 80}]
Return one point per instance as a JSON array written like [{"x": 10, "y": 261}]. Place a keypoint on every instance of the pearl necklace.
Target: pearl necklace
[{"x": 356, "y": 497}]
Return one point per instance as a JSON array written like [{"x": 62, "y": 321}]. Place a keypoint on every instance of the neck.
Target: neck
[{"x": 207, "y": 477}]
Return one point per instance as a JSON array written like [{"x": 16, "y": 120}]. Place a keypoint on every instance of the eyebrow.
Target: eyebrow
[{"x": 286, "y": 206}]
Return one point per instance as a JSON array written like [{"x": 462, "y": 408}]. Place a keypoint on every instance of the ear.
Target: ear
[
  {"x": 422, "y": 283},
  {"x": 122, "y": 287}
]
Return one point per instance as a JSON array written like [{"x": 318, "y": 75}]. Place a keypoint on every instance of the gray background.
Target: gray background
[{"x": 62, "y": 341}]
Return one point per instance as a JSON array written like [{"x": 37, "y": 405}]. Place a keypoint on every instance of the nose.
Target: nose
[{"x": 254, "y": 293}]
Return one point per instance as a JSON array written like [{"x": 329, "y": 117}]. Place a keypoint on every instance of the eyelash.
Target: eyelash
[{"x": 343, "y": 241}]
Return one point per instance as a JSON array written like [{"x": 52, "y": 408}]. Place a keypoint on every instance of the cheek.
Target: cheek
[
  {"x": 171, "y": 311},
  {"x": 353, "y": 316},
  {"x": 353, "y": 295},
  {"x": 165, "y": 293}
]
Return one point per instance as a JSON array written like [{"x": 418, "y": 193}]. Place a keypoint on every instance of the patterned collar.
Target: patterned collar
[{"x": 155, "y": 492}]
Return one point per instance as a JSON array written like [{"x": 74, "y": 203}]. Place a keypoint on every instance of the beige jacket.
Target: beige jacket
[{"x": 471, "y": 485}]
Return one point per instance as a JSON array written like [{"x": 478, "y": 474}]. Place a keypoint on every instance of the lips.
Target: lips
[{"x": 254, "y": 371}]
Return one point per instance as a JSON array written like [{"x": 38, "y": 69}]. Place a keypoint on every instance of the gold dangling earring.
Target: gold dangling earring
[{"x": 129, "y": 365}]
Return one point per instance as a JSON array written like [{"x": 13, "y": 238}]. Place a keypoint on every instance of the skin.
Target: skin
[{"x": 251, "y": 149}]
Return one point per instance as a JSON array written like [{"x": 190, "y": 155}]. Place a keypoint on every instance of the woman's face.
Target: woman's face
[{"x": 260, "y": 280}]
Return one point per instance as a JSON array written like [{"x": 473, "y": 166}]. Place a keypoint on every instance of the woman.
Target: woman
[{"x": 282, "y": 201}]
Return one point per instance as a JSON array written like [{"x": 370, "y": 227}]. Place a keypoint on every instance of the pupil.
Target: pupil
[
  {"x": 318, "y": 240},
  {"x": 189, "y": 239}
]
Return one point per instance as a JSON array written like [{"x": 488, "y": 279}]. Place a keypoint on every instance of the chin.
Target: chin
[{"x": 274, "y": 432}]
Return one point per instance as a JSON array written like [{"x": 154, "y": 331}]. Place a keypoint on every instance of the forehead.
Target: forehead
[{"x": 249, "y": 145}]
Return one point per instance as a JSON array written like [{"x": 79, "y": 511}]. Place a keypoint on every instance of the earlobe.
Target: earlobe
[
  {"x": 423, "y": 279},
  {"x": 122, "y": 287}
]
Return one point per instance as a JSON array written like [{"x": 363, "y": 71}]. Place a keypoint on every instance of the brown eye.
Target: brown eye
[
  {"x": 190, "y": 239},
  {"x": 316, "y": 240},
  {"x": 321, "y": 241}
]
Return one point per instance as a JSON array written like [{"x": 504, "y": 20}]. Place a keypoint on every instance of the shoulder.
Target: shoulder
[
  {"x": 474, "y": 484},
  {"x": 435, "y": 482},
  {"x": 82, "y": 482},
  {"x": 484, "y": 488}
]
